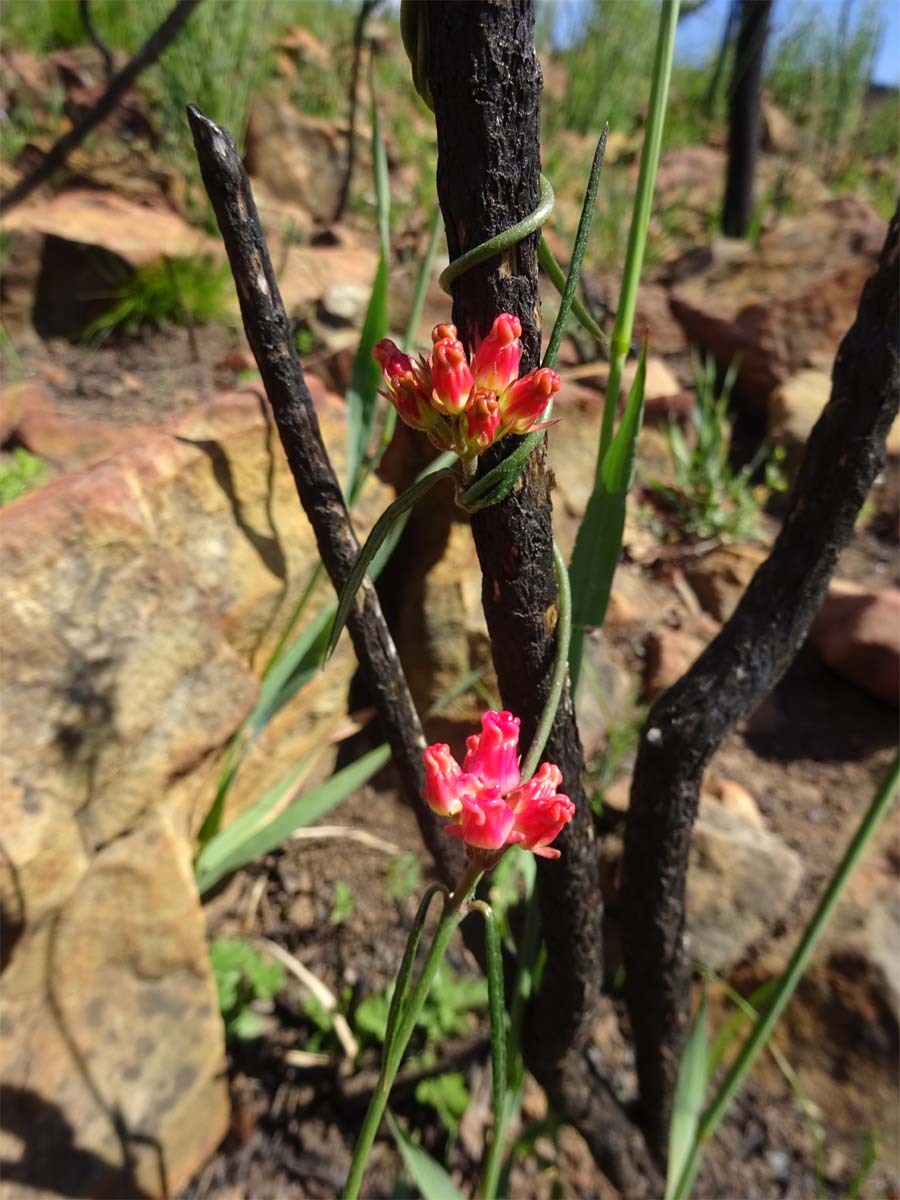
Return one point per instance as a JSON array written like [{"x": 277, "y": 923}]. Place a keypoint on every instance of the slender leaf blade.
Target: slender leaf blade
[
  {"x": 599, "y": 539},
  {"x": 303, "y": 811},
  {"x": 382, "y": 528},
  {"x": 428, "y": 1175},
  {"x": 365, "y": 376},
  {"x": 689, "y": 1095},
  {"x": 578, "y": 250}
]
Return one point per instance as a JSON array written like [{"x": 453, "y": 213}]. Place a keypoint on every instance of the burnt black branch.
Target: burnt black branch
[
  {"x": 485, "y": 81},
  {"x": 688, "y": 723},
  {"x": 56, "y": 156},
  {"x": 269, "y": 334}
]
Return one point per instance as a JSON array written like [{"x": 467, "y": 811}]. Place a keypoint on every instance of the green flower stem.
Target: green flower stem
[
  {"x": 453, "y": 912},
  {"x": 515, "y": 1078},
  {"x": 640, "y": 218},
  {"x": 787, "y": 984},
  {"x": 560, "y": 667}
]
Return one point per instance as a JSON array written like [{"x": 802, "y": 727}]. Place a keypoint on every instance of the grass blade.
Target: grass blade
[
  {"x": 599, "y": 538},
  {"x": 428, "y": 1175},
  {"x": 365, "y": 376},
  {"x": 787, "y": 984},
  {"x": 689, "y": 1094},
  {"x": 303, "y": 811},
  {"x": 557, "y": 277},
  {"x": 385, "y": 524},
  {"x": 578, "y": 250}
]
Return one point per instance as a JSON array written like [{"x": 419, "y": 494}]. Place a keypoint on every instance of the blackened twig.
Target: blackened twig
[
  {"x": 685, "y": 727},
  {"x": 56, "y": 157},
  {"x": 486, "y": 102},
  {"x": 365, "y": 10},
  {"x": 269, "y": 334},
  {"x": 109, "y": 65}
]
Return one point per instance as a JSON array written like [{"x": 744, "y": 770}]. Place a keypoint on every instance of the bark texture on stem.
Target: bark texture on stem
[
  {"x": 736, "y": 671},
  {"x": 486, "y": 81},
  {"x": 269, "y": 334},
  {"x": 119, "y": 84},
  {"x": 744, "y": 101}
]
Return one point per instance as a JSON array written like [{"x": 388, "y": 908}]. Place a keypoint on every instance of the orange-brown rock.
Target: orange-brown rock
[
  {"x": 142, "y": 597},
  {"x": 779, "y": 305}
]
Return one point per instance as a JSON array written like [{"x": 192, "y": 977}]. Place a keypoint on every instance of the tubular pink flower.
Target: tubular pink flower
[
  {"x": 391, "y": 359},
  {"x": 451, "y": 378},
  {"x": 444, "y": 331},
  {"x": 540, "y": 811},
  {"x": 486, "y": 820},
  {"x": 483, "y": 418},
  {"x": 527, "y": 398},
  {"x": 442, "y": 776},
  {"x": 490, "y": 809},
  {"x": 495, "y": 363},
  {"x": 492, "y": 755}
]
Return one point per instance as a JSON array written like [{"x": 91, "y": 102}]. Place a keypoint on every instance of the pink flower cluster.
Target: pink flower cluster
[
  {"x": 467, "y": 406},
  {"x": 485, "y": 799}
]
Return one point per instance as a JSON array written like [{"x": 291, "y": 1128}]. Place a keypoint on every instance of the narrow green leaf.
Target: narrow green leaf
[
  {"x": 617, "y": 471},
  {"x": 599, "y": 539},
  {"x": 297, "y": 665},
  {"x": 499, "y": 482},
  {"x": 689, "y": 1095},
  {"x": 365, "y": 377},
  {"x": 401, "y": 987},
  {"x": 581, "y": 240},
  {"x": 228, "y": 840},
  {"x": 557, "y": 277},
  {"x": 388, "y": 520},
  {"x": 303, "y": 811},
  {"x": 428, "y": 1175},
  {"x": 497, "y": 1007}
]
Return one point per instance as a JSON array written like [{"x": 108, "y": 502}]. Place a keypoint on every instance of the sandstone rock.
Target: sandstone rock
[
  {"x": 779, "y": 306},
  {"x": 795, "y": 406},
  {"x": 70, "y": 445},
  {"x": 301, "y": 158},
  {"x": 857, "y": 632},
  {"x": 606, "y": 692},
  {"x": 91, "y": 241},
  {"x": 306, "y": 272},
  {"x": 138, "y": 595},
  {"x": 740, "y": 880},
  {"x": 779, "y": 133},
  {"x": 671, "y": 652},
  {"x": 18, "y": 401},
  {"x": 733, "y": 797},
  {"x": 137, "y": 234},
  {"x": 345, "y": 303},
  {"x": 720, "y": 578},
  {"x": 111, "y": 1042}
]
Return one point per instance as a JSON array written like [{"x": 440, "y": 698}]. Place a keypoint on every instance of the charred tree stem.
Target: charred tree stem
[
  {"x": 118, "y": 86},
  {"x": 109, "y": 66},
  {"x": 366, "y": 8},
  {"x": 744, "y": 103},
  {"x": 269, "y": 334},
  {"x": 486, "y": 102},
  {"x": 734, "y": 673}
]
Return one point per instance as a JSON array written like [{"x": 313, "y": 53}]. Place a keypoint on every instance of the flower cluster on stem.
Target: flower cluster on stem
[
  {"x": 489, "y": 806},
  {"x": 466, "y": 405}
]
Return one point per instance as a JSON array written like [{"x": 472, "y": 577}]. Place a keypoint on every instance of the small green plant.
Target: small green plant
[
  {"x": 176, "y": 291},
  {"x": 404, "y": 877},
  {"x": 343, "y": 904},
  {"x": 243, "y": 976},
  {"x": 20, "y": 472},
  {"x": 710, "y": 499}
]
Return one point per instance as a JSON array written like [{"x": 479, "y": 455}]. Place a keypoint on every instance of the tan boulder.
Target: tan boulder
[
  {"x": 857, "y": 633},
  {"x": 779, "y": 305},
  {"x": 23, "y": 399},
  {"x": 720, "y": 578},
  {"x": 142, "y": 597},
  {"x": 300, "y": 158}
]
